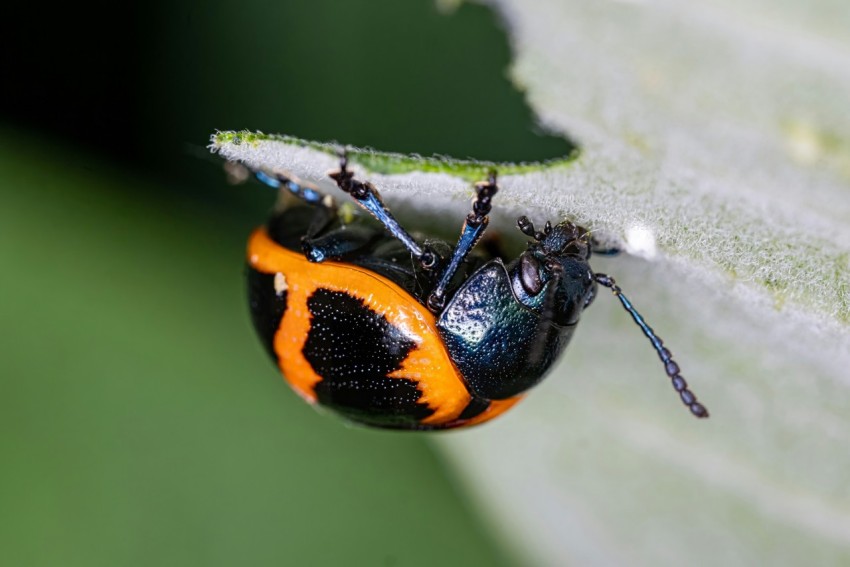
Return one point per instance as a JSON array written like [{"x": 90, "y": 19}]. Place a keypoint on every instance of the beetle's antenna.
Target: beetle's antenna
[
  {"x": 670, "y": 366},
  {"x": 526, "y": 227}
]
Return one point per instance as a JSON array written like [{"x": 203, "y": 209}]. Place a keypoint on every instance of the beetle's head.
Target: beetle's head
[{"x": 558, "y": 254}]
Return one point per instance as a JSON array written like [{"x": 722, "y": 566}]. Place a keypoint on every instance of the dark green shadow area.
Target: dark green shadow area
[
  {"x": 395, "y": 76},
  {"x": 140, "y": 422}
]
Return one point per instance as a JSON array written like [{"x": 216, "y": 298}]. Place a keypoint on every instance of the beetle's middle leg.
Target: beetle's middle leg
[
  {"x": 367, "y": 196},
  {"x": 325, "y": 207},
  {"x": 473, "y": 228}
]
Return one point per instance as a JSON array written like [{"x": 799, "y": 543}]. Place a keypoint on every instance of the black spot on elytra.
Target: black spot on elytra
[
  {"x": 267, "y": 307},
  {"x": 474, "y": 408},
  {"x": 353, "y": 349}
]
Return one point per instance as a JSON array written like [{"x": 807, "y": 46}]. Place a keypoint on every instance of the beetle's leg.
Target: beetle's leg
[
  {"x": 318, "y": 243},
  {"x": 304, "y": 190},
  {"x": 470, "y": 234},
  {"x": 367, "y": 196},
  {"x": 307, "y": 192},
  {"x": 317, "y": 246},
  {"x": 339, "y": 243},
  {"x": 670, "y": 366}
]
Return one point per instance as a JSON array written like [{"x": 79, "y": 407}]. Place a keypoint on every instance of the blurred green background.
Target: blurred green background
[{"x": 140, "y": 421}]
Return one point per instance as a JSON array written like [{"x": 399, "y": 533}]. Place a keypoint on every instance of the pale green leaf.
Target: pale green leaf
[{"x": 715, "y": 147}]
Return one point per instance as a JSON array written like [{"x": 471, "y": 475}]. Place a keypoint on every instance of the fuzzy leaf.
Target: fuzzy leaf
[{"x": 714, "y": 148}]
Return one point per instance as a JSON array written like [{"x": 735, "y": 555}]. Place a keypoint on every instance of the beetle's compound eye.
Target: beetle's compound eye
[{"x": 529, "y": 274}]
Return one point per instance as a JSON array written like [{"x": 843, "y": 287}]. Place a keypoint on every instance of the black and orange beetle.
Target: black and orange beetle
[{"x": 400, "y": 332}]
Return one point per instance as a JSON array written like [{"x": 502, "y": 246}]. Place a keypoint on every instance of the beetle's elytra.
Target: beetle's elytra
[{"x": 403, "y": 332}]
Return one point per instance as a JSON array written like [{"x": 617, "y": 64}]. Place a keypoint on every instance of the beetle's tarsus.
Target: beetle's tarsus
[{"x": 481, "y": 207}]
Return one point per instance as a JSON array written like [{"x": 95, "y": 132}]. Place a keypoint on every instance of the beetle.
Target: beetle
[{"x": 407, "y": 332}]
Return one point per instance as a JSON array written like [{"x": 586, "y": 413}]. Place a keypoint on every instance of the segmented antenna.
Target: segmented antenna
[
  {"x": 670, "y": 366},
  {"x": 527, "y": 228}
]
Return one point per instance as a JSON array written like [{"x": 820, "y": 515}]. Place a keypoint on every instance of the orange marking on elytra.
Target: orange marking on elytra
[
  {"x": 495, "y": 409},
  {"x": 428, "y": 363}
]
